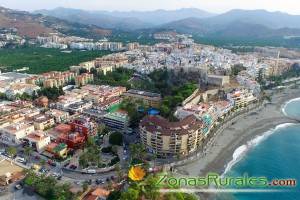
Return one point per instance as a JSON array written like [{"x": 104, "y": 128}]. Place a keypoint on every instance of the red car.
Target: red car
[{"x": 51, "y": 162}]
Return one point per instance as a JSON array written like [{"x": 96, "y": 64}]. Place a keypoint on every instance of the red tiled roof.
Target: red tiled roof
[{"x": 160, "y": 124}]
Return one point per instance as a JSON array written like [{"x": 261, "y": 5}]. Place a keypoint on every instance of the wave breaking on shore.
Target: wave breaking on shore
[
  {"x": 241, "y": 151},
  {"x": 286, "y": 103}
]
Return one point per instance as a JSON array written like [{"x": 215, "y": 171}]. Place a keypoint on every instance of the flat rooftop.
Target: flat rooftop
[{"x": 143, "y": 93}]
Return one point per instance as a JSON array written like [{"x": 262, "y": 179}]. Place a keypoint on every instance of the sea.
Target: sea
[{"x": 274, "y": 154}]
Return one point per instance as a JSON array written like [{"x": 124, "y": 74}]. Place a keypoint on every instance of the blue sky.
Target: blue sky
[{"x": 216, "y": 6}]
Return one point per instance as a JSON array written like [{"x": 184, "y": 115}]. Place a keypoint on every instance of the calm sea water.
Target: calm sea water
[{"x": 276, "y": 155}]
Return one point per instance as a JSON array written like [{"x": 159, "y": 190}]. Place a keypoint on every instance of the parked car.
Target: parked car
[
  {"x": 21, "y": 159},
  {"x": 54, "y": 174},
  {"x": 44, "y": 170},
  {"x": 37, "y": 157},
  {"x": 77, "y": 182},
  {"x": 66, "y": 165},
  {"x": 99, "y": 181},
  {"x": 36, "y": 167},
  {"x": 52, "y": 163},
  {"x": 73, "y": 167},
  {"x": 18, "y": 187},
  {"x": 91, "y": 171}
]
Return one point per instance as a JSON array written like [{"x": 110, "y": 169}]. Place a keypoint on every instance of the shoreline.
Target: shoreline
[{"x": 255, "y": 123}]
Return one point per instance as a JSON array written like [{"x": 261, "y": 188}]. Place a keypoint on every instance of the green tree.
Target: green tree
[
  {"x": 114, "y": 195},
  {"x": 137, "y": 151},
  {"x": 119, "y": 172},
  {"x": 3, "y": 96},
  {"x": 12, "y": 151},
  {"x": 130, "y": 194},
  {"x": 90, "y": 142},
  {"x": 83, "y": 161},
  {"x": 42, "y": 162},
  {"x": 236, "y": 69},
  {"x": 116, "y": 138},
  {"x": 83, "y": 70},
  {"x": 85, "y": 186},
  {"x": 28, "y": 151}
]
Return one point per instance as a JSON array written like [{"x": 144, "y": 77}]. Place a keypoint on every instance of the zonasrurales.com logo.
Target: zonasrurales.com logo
[{"x": 220, "y": 182}]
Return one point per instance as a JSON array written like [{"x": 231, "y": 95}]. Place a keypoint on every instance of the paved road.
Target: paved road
[{"x": 75, "y": 176}]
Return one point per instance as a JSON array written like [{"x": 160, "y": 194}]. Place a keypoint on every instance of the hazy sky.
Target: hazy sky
[{"x": 217, "y": 6}]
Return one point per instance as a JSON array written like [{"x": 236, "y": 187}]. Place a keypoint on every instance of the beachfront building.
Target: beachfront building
[
  {"x": 171, "y": 139},
  {"x": 148, "y": 98},
  {"x": 245, "y": 80},
  {"x": 241, "y": 98},
  {"x": 205, "y": 111}
]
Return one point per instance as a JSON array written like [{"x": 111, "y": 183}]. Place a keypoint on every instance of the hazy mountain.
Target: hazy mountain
[
  {"x": 240, "y": 23},
  {"x": 246, "y": 30},
  {"x": 32, "y": 25},
  {"x": 158, "y": 17},
  {"x": 131, "y": 20},
  {"x": 98, "y": 18},
  {"x": 188, "y": 25},
  {"x": 270, "y": 19}
]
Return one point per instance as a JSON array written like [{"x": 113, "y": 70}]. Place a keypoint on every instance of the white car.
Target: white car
[{"x": 20, "y": 159}]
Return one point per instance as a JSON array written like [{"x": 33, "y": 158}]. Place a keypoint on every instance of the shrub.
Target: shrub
[
  {"x": 114, "y": 161},
  {"x": 106, "y": 149},
  {"x": 116, "y": 138}
]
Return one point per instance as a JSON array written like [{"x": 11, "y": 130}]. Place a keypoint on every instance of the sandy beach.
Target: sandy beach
[{"x": 220, "y": 151}]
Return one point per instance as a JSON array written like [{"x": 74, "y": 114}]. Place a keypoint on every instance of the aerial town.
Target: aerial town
[{"x": 71, "y": 126}]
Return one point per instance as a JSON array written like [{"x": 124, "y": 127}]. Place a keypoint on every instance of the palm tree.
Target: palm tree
[
  {"x": 119, "y": 172},
  {"x": 12, "y": 151},
  {"x": 148, "y": 189},
  {"x": 28, "y": 151},
  {"x": 137, "y": 151},
  {"x": 43, "y": 162}
]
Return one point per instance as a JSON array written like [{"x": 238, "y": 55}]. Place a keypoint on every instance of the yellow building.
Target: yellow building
[
  {"x": 148, "y": 98},
  {"x": 84, "y": 79},
  {"x": 171, "y": 139},
  {"x": 43, "y": 122},
  {"x": 38, "y": 140},
  {"x": 58, "y": 150}
]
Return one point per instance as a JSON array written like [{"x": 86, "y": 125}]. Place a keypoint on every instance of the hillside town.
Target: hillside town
[{"x": 66, "y": 125}]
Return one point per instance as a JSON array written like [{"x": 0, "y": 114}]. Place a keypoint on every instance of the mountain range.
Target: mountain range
[
  {"x": 131, "y": 20},
  {"x": 264, "y": 21},
  {"x": 33, "y": 25},
  {"x": 235, "y": 23}
]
